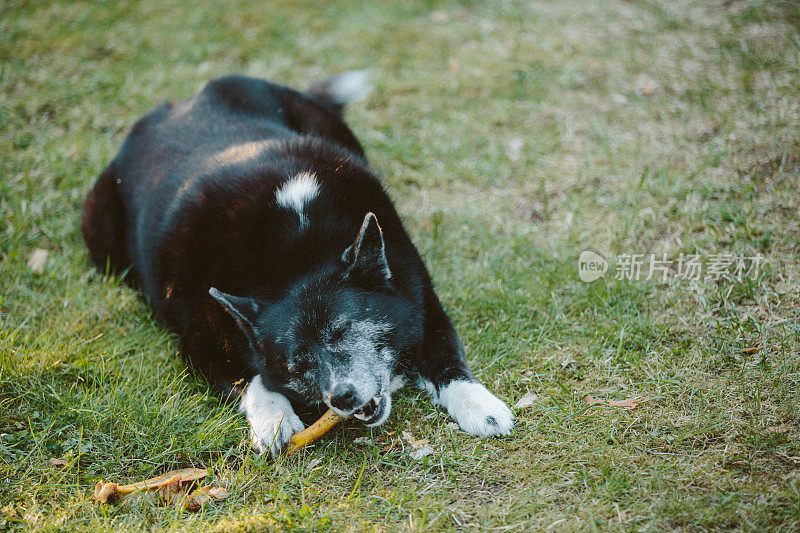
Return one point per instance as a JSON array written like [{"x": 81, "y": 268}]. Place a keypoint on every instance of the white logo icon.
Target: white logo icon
[{"x": 591, "y": 266}]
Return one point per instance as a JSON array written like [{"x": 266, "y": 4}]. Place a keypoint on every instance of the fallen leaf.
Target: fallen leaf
[
  {"x": 533, "y": 211},
  {"x": 594, "y": 65},
  {"x": 440, "y": 16},
  {"x": 362, "y": 441},
  {"x": 527, "y": 400},
  {"x": 782, "y": 428},
  {"x": 416, "y": 444},
  {"x": 627, "y": 404},
  {"x": 420, "y": 447},
  {"x": 386, "y": 436},
  {"x": 421, "y": 452},
  {"x": 646, "y": 85},
  {"x": 58, "y": 462},
  {"x": 37, "y": 260},
  {"x": 515, "y": 146}
]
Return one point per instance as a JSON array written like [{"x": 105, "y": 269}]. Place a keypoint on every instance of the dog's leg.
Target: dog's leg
[
  {"x": 443, "y": 372},
  {"x": 212, "y": 351},
  {"x": 223, "y": 358},
  {"x": 210, "y": 345},
  {"x": 103, "y": 225},
  {"x": 271, "y": 417}
]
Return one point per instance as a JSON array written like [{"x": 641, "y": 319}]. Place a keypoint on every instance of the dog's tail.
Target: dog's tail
[{"x": 337, "y": 91}]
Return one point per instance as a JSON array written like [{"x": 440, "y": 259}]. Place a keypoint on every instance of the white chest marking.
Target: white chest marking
[{"x": 297, "y": 192}]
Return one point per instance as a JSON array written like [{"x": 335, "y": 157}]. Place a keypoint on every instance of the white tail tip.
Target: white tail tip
[{"x": 351, "y": 86}]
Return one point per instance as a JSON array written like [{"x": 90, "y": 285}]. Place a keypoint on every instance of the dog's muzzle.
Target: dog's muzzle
[
  {"x": 375, "y": 411},
  {"x": 369, "y": 410}
]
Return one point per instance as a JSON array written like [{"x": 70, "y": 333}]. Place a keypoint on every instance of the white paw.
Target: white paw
[
  {"x": 273, "y": 431},
  {"x": 476, "y": 410},
  {"x": 271, "y": 417}
]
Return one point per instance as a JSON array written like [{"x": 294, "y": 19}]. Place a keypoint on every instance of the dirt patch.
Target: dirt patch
[
  {"x": 767, "y": 170},
  {"x": 483, "y": 490}
]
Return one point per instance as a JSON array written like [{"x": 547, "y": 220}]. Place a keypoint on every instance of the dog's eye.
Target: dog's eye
[
  {"x": 299, "y": 362},
  {"x": 297, "y": 366},
  {"x": 339, "y": 332}
]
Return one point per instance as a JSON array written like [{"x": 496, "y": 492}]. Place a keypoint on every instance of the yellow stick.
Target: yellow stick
[{"x": 314, "y": 431}]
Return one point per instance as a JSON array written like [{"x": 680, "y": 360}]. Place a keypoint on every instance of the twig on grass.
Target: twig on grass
[{"x": 666, "y": 454}]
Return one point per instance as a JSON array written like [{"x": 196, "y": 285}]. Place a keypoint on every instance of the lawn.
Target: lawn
[{"x": 513, "y": 136}]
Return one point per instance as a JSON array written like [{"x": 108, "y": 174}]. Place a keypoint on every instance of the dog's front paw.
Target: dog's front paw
[
  {"x": 271, "y": 417},
  {"x": 271, "y": 431},
  {"x": 475, "y": 409}
]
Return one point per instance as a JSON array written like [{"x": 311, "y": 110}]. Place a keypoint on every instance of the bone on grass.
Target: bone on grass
[
  {"x": 170, "y": 493},
  {"x": 105, "y": 490},
  {"x": 176, "y": 493},
  {"x": 314, "y": 431},
  {"x": 179, "y": 495},
  {"x": 201, "y": 496}
]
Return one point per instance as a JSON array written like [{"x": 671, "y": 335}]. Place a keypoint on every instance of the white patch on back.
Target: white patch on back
[
  {"x": 476, "y": 410},
  {"x": 296, "y": 193},
  {"x": 271, "y": 417}
]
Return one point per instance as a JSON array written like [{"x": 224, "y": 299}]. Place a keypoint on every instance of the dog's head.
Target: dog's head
[{"x": 335, "y": 337}]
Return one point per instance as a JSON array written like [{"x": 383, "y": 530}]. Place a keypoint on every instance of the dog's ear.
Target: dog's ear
[
  {"x": 244, "y": 311},
  {"x": 366, "y": 258}
]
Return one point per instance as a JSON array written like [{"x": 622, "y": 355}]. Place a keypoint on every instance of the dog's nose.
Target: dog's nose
[{"x": 343, "y": 397}]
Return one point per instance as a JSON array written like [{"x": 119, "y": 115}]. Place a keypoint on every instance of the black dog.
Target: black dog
[{"x": 249, "y": 218}]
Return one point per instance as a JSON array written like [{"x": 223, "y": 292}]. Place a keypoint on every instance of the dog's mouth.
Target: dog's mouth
[
  {"x": 374, "y": 412},
  {"x": 369, "y": 411}
]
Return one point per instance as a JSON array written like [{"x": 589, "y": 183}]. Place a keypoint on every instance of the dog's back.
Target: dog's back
[
  {"x": 216, "y": 191},
  {"x": 232, "y": 142}
]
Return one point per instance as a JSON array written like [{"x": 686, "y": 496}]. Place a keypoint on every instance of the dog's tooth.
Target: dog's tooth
[{"x": 377, "y": 400}]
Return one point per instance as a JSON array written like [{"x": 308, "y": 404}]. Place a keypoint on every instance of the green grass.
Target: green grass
[{"x": 512, "y": 136}]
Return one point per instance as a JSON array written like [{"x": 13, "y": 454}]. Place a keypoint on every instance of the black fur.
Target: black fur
[{"x": 185, "y": 216}]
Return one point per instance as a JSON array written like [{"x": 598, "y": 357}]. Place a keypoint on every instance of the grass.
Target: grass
[{"x": 512, "y": 136}]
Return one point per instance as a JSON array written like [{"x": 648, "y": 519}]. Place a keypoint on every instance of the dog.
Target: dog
[{"x": 253, "y": 225}]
